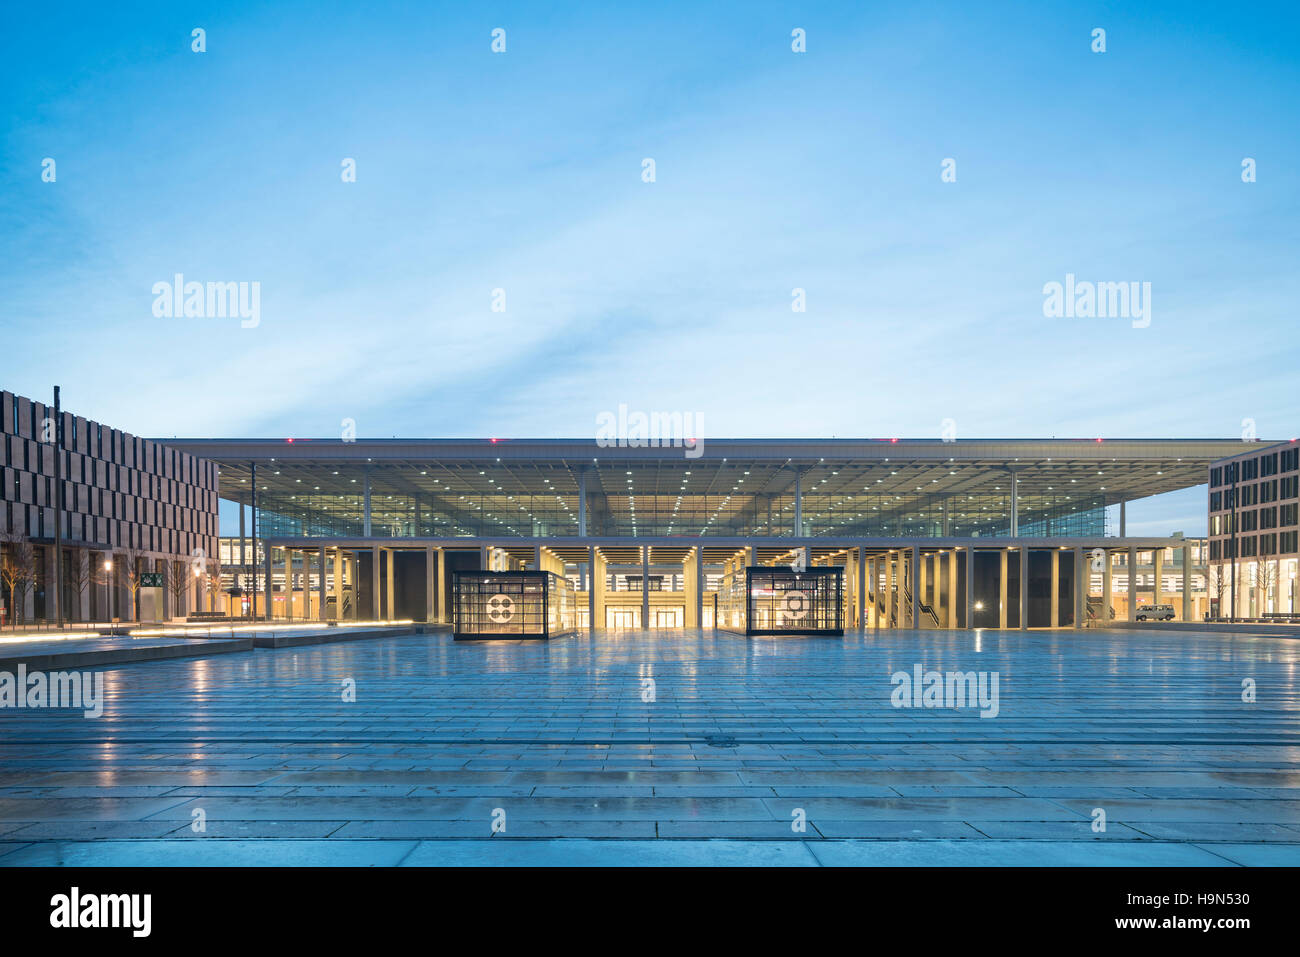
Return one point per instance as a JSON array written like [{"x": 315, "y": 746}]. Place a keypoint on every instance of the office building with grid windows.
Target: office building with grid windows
[
  {"x": 1254, "y": 518},
  {"x": 130, "y": 507}
]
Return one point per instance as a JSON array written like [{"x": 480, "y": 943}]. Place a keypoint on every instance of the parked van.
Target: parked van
[{"x": 1156, "y": 613}]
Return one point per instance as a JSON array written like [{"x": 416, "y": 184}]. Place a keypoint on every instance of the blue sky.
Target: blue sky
[{"x": 774, "y": 170}]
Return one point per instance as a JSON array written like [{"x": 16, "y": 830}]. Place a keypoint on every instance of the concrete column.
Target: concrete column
[
  {"x": 970, "y": 586},
  {"x": 938, "y": 578},
  {"x": 1024, "y": 588},
  {"x": 1002, "y": 587},
  {"x": 691, "y": 581},
  {"x": 873, "y": 588},
  {"x": 352, "y": 569},
  {"x": 306, "y": 584},
  {"x": 286, "y": 587},
  {"x": 444, "y": 611},
  {"x": 862, "y": 589},
  {"x": 891, "y": 583},
  {"x": 430, "y": 582},
  {"x": 1158, "y": 566},
  {"x": 1081, "y": 579},
  {"x": 645, "y": 587},
  {"x": 952, "y": 589},
  {"x": 376, "y": 599},
  {"x": 1056, "y": 588},
  {"x": 266, "y": 572},
  {"x": 338, "y": 584},
  {"x": 598, "y": 590},
  {"x": 1132, "y": 580},
  {"x": 914, "y": 613},
  {"x": 922, "y": 585},
  {"x": 1103, "y": 615},
  {"x": 1187, "y": 580},
  {"x": 320, "y": 583},
  {"x": 591, "y": 588},
  {"x": 391, "y": 590},
  {"x": 701, "y": 582},
  {"x": 243, "y": 555}
]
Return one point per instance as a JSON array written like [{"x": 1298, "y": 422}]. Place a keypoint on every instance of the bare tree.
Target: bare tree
[
  {"x": 133, "y": 558},
  {"x": 17, "y": 569},
  {"x": 77, "y": 575},
  {"x": 1265, "y": 579},
  {"x": 178, "y": 585},
  {"x": 213, "y": 571},
  {"x": 1216, "y": 587}
]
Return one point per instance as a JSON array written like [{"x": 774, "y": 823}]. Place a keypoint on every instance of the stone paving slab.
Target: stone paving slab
[
  {"x": 214, "y": 853},
  {"x": 631, "y": 853},
  {"x": 1013, "y": 854},
  {"x": 1149, "y": 727}
]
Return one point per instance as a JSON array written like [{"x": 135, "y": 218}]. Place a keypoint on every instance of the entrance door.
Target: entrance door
[
  {"x": 668, "y": 618},
  {"x": 621, "y": 618}
]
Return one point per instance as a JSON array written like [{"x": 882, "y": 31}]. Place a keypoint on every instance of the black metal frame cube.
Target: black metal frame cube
[
  {"x": 782, "y": 601},
  {"x": 534, "y": 605}
]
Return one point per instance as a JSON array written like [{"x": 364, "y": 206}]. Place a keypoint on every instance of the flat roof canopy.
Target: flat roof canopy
[{"x": 529, "y": 487}]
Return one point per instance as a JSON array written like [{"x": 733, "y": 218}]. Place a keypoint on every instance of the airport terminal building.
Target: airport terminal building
[
  {"x": 998, "y": 533},
  {"x": 922, "y": 533}
]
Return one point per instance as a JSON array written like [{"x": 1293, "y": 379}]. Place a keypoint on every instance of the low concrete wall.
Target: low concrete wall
[
  {"x": 1215, "y": 627},
  {"x": 97, "y": 651},
  {"x": 286, "y": 639}
]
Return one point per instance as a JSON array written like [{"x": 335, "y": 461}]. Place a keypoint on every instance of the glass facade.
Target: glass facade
[
  {"x": 517, "y": 514},
  {"x": 516, "y": 604},
  {"x": 783, "y": 601}
]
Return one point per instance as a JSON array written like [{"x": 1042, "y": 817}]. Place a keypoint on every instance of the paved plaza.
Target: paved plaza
[{"x": 566, "y": 753}]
